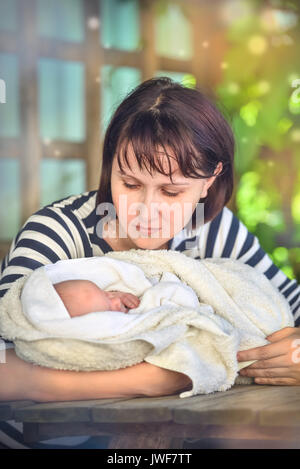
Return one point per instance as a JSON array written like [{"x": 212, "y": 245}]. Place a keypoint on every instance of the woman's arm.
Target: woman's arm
[
  {"x": 278, "y": 362},
  {"x": 43, "y": 239},
  {"x": 47, "y": 384},
  {"x": 227, "y": 236}
]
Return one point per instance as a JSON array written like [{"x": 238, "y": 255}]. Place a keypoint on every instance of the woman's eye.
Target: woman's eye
[
  {"x": 168, "y": 194},
  {"x": 129, "y": 186}
]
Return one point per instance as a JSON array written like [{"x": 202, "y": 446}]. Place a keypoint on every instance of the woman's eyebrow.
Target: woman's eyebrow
[{"x": 163, "y": 184}]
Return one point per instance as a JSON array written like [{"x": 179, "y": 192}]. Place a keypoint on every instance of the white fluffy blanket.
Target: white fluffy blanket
[{"x": 193, "y": 316}]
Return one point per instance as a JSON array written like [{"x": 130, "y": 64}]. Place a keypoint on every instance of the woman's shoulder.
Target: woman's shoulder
[
  {"x": 85, "y": 201},
  {"x": 78, "y": 209},
  {"x": 62, "y": 226},
  {"x": 224, "y": 217},
  {"x": 224, "y": 234}
]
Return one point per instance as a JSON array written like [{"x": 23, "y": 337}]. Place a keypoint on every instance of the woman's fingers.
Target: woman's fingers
[
  {"x": 274, "y": 376},
  {"x": 280, "y": 334},
  {"x": 281, "y": 361},
  {"x": 266, "y": 372},
  {"x": 278, "y": 363},
  {"x": 264, "y": 352},
  {"x": 277, "y": 381}
]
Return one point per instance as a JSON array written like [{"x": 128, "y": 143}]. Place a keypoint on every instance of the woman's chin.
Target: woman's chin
[{"x": 150, "y": 243}]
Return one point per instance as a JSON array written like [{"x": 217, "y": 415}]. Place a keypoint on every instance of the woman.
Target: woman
[{"x": 165, "y": 144}]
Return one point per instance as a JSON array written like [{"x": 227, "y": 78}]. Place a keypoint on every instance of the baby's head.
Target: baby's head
[{"x": 83, "y": 296}]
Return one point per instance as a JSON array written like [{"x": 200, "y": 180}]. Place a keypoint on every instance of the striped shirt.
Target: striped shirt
[{"x": 66, "y": 229}]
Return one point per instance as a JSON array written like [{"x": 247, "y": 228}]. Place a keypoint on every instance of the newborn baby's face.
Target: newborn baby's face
[
  {"x": 116, "y": 301},
  {"x": 83, "y": 296}
]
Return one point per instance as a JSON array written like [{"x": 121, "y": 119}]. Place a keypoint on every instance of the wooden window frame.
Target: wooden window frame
[{"x": 29, "y": 48}]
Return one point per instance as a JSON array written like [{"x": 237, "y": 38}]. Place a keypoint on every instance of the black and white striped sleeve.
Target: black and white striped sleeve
[
  {"x": 46, "y": 237},
  {"x": 227, "y": 236}
]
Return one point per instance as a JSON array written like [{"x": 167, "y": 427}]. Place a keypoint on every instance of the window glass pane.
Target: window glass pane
[
  {"x": 117, "y": 82},
  {"x": 171, "y": 18},
  {"x": 120, "y": 24},
  {"x": 8, "y": 17},
  {"x": 9, "y": 111},
  {"x": 61, "y": 100},
  {"x": 10, "y": 198},
  {"x": 61, "y": 19},
  {"x": 61, "y": 178}
]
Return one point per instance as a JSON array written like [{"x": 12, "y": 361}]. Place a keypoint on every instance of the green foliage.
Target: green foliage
[{"x": 261, "y": 92}]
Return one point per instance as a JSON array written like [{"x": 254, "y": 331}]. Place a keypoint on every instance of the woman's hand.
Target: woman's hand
[{"x": 279, "y": 362}]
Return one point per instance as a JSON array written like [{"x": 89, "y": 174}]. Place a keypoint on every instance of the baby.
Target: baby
[{"x": 83, "y": 296}]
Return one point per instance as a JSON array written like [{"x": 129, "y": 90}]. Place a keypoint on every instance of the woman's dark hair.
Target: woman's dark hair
[{"x": 163, "y": 113}]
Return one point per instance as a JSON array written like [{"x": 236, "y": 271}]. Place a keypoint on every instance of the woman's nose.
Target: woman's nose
[{"x": 148, "y": 209}]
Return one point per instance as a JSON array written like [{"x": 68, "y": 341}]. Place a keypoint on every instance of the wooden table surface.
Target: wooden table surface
[{"x": 245, "y": 412}]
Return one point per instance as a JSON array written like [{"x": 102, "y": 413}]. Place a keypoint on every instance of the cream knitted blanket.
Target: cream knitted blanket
[{"x": 193, "y": 317}]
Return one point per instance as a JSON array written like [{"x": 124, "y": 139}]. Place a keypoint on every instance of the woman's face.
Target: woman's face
[{"x": 150, "y": 208}]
